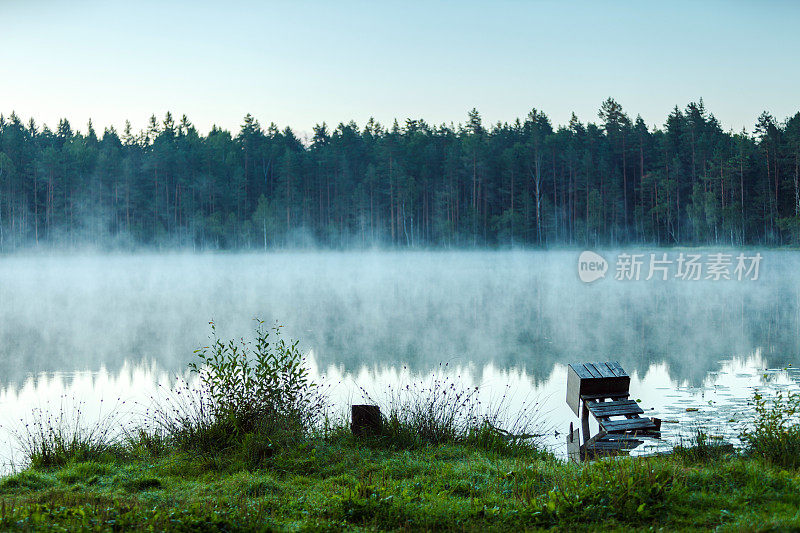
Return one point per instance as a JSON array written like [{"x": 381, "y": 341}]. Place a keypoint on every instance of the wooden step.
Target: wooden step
[
  {"x": 631, "y": 424},
  {"x": 615, "y": 408},
  {"x": 605, "y": 396},
  {"x": 604, "y": 444},
  {"x": 609, "y": 445}
]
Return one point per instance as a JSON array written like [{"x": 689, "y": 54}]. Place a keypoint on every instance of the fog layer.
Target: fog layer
[{"x": 515, "y": 309}]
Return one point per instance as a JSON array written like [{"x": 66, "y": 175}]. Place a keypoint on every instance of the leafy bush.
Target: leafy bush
[
  {"x": 250, "y": 394},
  {"x": 775, "y": 434}
]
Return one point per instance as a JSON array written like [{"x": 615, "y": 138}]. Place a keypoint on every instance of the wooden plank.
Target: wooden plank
[
  {"x": 628, "y": 444},
  {"x": 602, "y": 396},
  {"x": 574, "y": 390},
  {"x": 615, "y": 403},
  {"x": 620, "y": 411},
  {"x": 614, "y": 368},
  {"x": 600, "y": 436},
  {"x": 618, "y": 408},
  {"x": 591, "y": 370},
  {"x": 631, "y": 424},
  {"x": 620, "y": 436},
  {"x": 605, "y": 386},
  {"x": 617, "y": 369},
  {"x": 627, "y": 425},
  {"x": 605, "y": 372},
  {"x": 580, "y": 370},
  {"x": 585, "y": 423},
  {"x": 605, "y": 444}
]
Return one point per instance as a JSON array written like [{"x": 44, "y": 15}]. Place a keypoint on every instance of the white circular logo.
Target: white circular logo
[{"x": 591, "y": 266}]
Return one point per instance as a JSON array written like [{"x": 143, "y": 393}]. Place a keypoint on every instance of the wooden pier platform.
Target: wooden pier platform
[{"x": 602, "y": 390}]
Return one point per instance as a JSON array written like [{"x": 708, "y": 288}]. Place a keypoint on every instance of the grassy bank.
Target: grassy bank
[
  {"x": 248, "y": 447},
  {"x": 341, "y": 484}
]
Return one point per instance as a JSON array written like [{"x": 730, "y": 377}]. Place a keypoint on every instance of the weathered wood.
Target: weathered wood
[
  {"x": 593, "y": 373},
  {"x": 622, "y": 411},
  {"x": 574, "y": 444},
  {"x": 604, "y": 444},
  {"x": 622, "y": 436},
  {"x": 594, "y": 379},
  {"x": 606, "y": 396},
  {"x": 605, "y": 372},
  {"x": 627, "y": 444},
  {"x": 618, "y": 444},
  {"x": 580, "y": 370},
  {"x": 585, "y": 423},
  {"x": 365, "y": 420},
  {"x": 594, "y": 439},
  {"x": 631, "y": 424},
  {"x": 616, "y": 368},
  {"x": 602, "y": 390},
  {"x": 614, "y": 408}
]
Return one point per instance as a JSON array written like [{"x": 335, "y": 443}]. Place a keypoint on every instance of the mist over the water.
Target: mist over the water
[{"x": 520, "y": 309}]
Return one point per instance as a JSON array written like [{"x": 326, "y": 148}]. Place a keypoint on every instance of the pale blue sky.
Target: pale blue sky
[{"x": 299, "y": 63}]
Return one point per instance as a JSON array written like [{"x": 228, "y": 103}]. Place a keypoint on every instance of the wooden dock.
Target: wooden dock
[{"x": 602, "y": 391}]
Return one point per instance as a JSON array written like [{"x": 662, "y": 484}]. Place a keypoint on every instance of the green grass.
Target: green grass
[
  {"x": 703, "y": 447},
  {"x": 339, "y": 483}
]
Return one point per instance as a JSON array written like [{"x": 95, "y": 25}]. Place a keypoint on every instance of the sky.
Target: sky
[{"x": 301, "y": 63}]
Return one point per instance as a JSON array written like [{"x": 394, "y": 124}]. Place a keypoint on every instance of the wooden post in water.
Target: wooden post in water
[
  {"x": 574, "y": 444},
  {"x": 585, "y": 422},
  {"x": 365, "y": 420}
]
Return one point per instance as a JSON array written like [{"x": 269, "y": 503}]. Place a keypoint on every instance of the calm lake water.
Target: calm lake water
[{"x": 111, "y": 327}]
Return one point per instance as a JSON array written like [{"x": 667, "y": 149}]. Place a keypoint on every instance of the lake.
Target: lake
[{"x": 112, "y": 327}]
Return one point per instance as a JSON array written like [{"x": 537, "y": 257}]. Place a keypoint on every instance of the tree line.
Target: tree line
[{"x": 605, "y": 183}]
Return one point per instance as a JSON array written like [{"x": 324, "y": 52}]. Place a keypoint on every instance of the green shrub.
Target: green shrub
[
  {"x": 253, "y": 398},
  {"x": 262, "y": 381},
  {"x": 775, "y": 434}
]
